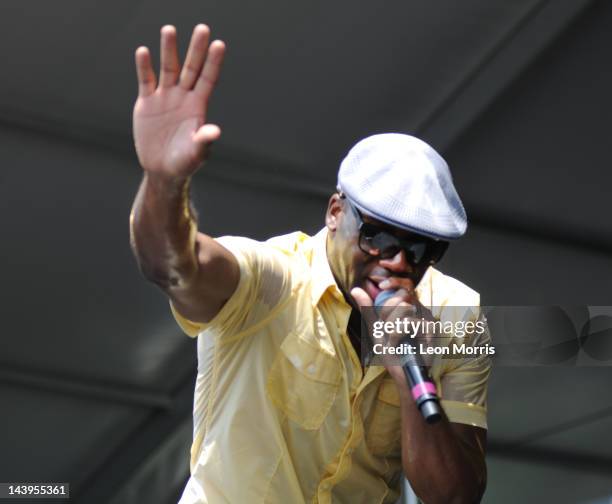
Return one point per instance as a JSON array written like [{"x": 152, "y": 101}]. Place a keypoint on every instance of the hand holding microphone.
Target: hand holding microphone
[{"x": 421, "y": 385}]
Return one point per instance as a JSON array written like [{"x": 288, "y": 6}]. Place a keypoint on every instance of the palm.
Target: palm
[
  {"x": 170, "y": 132},
  {"x": 164, "y": 125}
]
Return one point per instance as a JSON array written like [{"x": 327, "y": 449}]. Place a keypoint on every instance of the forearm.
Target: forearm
[
  {"x": 440, "y": 469},
  {"x": 163, "y": 230}
]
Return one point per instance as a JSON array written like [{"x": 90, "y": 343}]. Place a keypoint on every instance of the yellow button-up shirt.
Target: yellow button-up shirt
[{"x": 283, "y": 410}]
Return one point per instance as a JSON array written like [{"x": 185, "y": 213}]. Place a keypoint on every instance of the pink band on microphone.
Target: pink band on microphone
[{"x": 423, "y": 388}]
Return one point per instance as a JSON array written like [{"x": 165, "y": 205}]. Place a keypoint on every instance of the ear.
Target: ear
[{"x": 334, "y": 210}]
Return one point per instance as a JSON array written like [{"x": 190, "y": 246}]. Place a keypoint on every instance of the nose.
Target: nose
[{"x": 398, "y": 263}]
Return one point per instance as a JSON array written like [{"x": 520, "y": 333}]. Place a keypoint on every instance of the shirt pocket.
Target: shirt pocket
[
  {"x": 383, "y": 433},
  {"x": 303, "y": 381}
]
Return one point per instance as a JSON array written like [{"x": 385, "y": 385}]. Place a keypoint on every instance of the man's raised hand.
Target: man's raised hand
[{"x": 170, "y": 130}]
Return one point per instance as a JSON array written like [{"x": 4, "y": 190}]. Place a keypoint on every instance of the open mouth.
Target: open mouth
[{"x": 371, "y": 288}]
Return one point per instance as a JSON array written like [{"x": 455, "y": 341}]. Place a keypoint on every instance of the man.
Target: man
[{"x": 284, "y": 410}]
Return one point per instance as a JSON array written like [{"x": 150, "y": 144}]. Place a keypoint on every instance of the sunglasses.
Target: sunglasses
[{"x": 378, "y": 242}]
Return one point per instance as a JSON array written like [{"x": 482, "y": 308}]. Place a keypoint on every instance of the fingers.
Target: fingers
[
  {"x": 395, "y": 283},
  {"x": 204, "y": 137},
  {"x": 144, "y": 72},
  {"x": 403, "y": 286},
  {"x": 169, "y": 62},
  {"x": 196, "y": 54},
  {"x": 207, "y": 134},
  {"x": 401, "y": 304},
  {"x": 212, "y": 67},
  {"x": 401, "y": 297},
  {"x": 363, "y": 300},
  {"x": 400, "y": 310},
  {"x": 202, "y": 63},
  {"x": 361, "y": 297}
]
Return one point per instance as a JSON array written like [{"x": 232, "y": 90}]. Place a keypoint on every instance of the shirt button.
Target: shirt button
[
  {"x": 311, "y": 369},
  {"x": 349, "y": 452}
]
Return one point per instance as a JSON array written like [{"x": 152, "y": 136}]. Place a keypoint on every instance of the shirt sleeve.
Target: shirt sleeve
[
  {"x": 265, "y": 281},
  {"x": 464, "y": 382}
]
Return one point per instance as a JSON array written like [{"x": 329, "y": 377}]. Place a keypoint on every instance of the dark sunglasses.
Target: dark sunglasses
[{"x": 379, "y": 242}]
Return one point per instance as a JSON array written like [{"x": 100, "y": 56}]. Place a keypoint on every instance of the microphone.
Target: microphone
[{"x": 421, "y": 385}]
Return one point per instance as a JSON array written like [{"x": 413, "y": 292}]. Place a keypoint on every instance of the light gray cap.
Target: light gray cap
[{"x": 401, "y": 180}]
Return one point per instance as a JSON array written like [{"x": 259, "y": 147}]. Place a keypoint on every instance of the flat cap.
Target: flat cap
[{"x": 401, "y": 180}]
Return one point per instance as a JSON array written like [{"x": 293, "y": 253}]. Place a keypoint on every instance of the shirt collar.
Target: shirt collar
[
  {"x": 322, "y": 277},
  {"x": 424, "y": 290}
]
